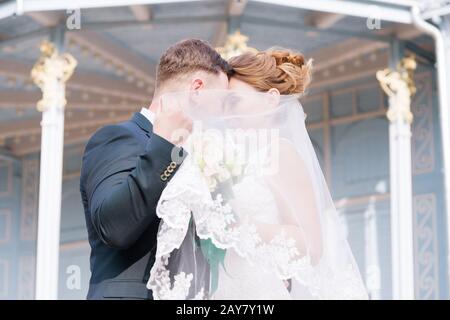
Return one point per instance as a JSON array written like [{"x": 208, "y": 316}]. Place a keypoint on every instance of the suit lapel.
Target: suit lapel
[{"x": 142, "y": 122}]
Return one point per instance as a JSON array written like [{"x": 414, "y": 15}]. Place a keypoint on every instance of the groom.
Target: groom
[{"x": 126, "y": 167}]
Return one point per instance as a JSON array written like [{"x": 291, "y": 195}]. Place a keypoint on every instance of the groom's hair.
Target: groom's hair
[{"x": 189, "y": 56}]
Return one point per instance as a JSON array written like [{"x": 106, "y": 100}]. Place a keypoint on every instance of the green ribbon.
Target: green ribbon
[{"x": 215, "y": 258}]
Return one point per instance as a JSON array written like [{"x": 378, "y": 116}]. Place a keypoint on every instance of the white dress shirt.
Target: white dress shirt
[{"x": 148, "y": 114}]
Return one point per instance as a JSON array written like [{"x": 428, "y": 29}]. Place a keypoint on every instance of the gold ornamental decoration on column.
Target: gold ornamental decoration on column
[
  {"x": 235, "y": 45},
  {"x": 399, "y": 86},
  {"x": 50, "y": 70}
]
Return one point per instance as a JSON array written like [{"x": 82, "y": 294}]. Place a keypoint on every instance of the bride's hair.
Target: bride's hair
[{"x": 279, "y": 68}]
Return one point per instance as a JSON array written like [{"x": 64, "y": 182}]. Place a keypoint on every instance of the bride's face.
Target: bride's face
[
  {"x": 269, "y": 99},
  {"x": 245, "y": 100}
]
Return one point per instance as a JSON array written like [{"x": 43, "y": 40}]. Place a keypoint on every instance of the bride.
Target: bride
[{"x": 248, "y": 215}]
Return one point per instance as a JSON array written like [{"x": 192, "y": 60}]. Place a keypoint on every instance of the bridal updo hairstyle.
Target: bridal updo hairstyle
[{"x": 278, "y": 68}]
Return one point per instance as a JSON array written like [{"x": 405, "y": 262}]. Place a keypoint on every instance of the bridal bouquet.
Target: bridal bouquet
[
  {"x": 219, "y": 159},
  {"x": 221, "y": 165}
]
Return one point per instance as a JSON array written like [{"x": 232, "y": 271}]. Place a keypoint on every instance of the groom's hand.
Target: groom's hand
[{"x": 172, "y": 124}]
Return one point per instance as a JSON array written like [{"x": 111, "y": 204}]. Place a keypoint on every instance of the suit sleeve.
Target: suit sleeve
[{"x": 123, "y": 185}]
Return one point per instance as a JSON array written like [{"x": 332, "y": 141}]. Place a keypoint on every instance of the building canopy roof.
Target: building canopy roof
[{"x": 118, "y": 47}]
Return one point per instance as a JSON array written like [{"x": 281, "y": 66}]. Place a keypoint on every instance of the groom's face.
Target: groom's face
[
  {"x": 204, "y": 80},
  {"x": 221, "y": 82},
  {"x": 208, "y": 101}
]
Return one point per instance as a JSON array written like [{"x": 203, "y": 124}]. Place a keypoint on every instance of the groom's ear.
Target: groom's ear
[{"x": 197, "y": 84}]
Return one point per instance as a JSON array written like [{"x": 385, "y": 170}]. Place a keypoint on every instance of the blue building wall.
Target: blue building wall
[{"x": 351, "y": 135}]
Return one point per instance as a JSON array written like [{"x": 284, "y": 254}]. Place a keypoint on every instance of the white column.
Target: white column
[
  {"x": 443, "y": 71},
  {"x": 399, "y": 86},
  {"x": 373, "y": 276},
  {"x": 52, "y": 145},
  {"x": 401, "y": 209},
  {"x": 50, "y": 73}
]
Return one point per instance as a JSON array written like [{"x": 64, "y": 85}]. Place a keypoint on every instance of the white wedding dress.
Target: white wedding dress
[
  {"x": 252, "y": 268},
  {"x": 280, "y": 232},
  {"x": 238, "y": 279}
]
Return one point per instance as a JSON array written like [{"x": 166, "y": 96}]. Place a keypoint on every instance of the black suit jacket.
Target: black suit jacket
[{"x": 122, "y": 178}]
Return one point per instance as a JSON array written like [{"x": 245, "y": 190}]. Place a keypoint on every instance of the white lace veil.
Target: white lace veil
[{"x": 248, "y": 215}]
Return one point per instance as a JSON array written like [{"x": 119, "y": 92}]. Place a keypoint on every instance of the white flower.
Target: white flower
[
  {"x": 217, "y": 160},
  {"x": 211, "y": 182},
  {"x": 235, "y": 169},
  {"x": 224, "y": 174}
]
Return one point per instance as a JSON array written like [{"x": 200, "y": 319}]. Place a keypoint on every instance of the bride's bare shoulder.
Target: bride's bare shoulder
[
  {"x": 290, "y": 159},
  {"x": 287, "y": 148}
]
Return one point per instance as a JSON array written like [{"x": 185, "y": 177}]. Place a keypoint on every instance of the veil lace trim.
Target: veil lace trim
[{"x": 187, "y": 197}]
